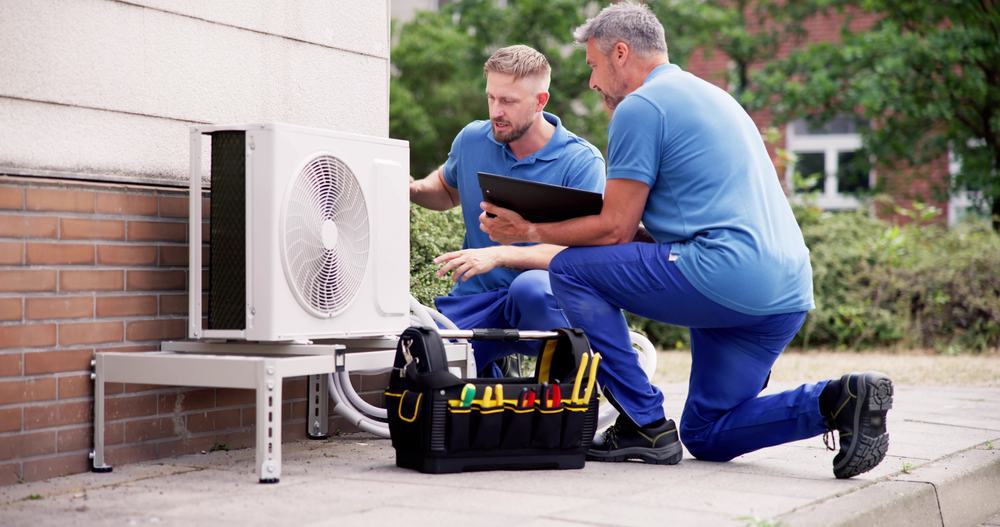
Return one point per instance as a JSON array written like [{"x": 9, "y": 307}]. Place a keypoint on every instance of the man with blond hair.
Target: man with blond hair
[
  {"x": 519, "y": 140},
  {"x": 729, "y": 263}
]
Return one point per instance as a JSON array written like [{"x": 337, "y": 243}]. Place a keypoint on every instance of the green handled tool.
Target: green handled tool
[{"x": 468, "y": 394}]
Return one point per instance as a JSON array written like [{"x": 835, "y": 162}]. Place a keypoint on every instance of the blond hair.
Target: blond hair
[{"x": 520, "y": 61}]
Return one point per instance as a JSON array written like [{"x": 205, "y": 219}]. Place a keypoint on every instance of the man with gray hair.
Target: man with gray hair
[
  {"x": 729, "y": 262},
  {"x": 519, "y": 140}
]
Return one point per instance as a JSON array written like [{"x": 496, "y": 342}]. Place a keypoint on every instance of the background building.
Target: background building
[{"x": 404, "y": 10}]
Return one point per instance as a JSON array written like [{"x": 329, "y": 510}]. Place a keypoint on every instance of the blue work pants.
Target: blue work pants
[{"x": 732, "y": 353}]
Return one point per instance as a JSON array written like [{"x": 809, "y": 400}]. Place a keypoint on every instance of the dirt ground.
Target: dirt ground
[{"x": 904, "y": 368}]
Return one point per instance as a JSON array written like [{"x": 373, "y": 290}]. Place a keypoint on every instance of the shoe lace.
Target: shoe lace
[{"x": 830, "y": 440}]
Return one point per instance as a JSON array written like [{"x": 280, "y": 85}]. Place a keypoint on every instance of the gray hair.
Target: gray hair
[{"x": 629, "y": 22}]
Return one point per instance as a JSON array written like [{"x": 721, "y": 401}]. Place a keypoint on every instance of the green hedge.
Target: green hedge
[
  {"x": 876, "y": 284},
  {"x": 431, "y": 234},
  {"x": 879, "y": 284}
]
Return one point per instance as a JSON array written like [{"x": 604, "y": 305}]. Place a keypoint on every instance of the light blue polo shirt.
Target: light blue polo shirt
[
  {"x": 565, "y": 160},
  {"x": 714, "y": 193}
]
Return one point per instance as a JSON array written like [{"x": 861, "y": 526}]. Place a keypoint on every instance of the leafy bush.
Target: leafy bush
[
  {"x": 431, "y": 234},
  {"x": 663, "y": 336},
  {"x": 879, "y": 284}
]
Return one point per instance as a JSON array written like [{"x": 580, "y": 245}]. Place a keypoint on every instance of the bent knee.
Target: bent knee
[
  {"x": 531, "y": 286},
  {"x": 701, "y": 446}
]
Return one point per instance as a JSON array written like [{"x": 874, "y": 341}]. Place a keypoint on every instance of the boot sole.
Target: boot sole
[
  {"x": 865, "y": 451},
  {"x": 668, "y": 455}
]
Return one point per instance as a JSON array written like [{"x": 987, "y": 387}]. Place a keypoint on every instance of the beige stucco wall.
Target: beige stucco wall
[{"x": 105, "y": 89}]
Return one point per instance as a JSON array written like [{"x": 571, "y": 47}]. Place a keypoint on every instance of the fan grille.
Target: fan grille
[{"x": 326, "y": 236}]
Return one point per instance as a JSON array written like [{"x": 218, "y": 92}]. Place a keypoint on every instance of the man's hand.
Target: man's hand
[
  {"x": 467, "y": 263},
  {"x": 507, "y": 226}
]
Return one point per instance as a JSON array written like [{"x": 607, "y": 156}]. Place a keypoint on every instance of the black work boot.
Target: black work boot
[
  {"x": 858, "y": 416},
  {"x": 624, "y": 440}
]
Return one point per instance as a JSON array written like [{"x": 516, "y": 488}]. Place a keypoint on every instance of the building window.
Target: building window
[
  {"x": 830, "y": 157},
  {"x": 965, "y": 202}
]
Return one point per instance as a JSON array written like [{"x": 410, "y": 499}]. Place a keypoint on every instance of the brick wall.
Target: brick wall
[{"x": 86, "y": 268}]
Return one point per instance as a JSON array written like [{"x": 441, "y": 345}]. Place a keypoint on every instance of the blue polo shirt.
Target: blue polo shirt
[
  {"x": 565, "y": 160},
  {"x": 714, "y": 193}
]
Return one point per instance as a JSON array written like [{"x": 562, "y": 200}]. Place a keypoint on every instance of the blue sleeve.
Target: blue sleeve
[
  {"x": 586, "y": 171},
  {"x": 634, "y": 141},
  {"x": 451, "y": 165}
]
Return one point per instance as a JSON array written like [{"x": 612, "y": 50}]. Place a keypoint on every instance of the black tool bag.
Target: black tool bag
[{"x": 434, "y": 430}]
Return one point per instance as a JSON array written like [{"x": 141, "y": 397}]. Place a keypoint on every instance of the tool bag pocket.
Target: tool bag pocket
[
  {"x": 457, "y": 429},
  {"x": 406, "y": 407},
  {"x": 516, "y": 427},
  {"x": 574, "y": 418},
  {"x": 547, "y": 429},
  {"x": 485, "y": 427}
]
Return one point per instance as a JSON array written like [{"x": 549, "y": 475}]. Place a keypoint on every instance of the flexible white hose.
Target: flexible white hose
[
  {"x": 420, "y": 314},
  {"x": 442, "y": 321},
  {"x": 345, "y": 410},
  {"x": 349, "y": 405},
  {"x": 359, "y": 404}
]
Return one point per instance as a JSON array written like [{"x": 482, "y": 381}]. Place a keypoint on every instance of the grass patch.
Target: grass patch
[{"x": 754, "y": 521}]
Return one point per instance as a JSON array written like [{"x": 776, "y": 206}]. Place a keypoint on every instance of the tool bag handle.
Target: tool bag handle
[
  {"x": 421, "y": 358},
  {"x": 508, "y": 335}
]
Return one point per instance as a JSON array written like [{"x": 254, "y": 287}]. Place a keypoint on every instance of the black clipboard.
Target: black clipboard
[{"x": 539, "y": 202}]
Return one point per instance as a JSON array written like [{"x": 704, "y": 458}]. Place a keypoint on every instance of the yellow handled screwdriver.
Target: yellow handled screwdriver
[
  {"x": 576, "y": 396},
  {"x": 498, "y": 393},
  {"x": 487, "y": 397},
  {"x": 593, "y": 378}
]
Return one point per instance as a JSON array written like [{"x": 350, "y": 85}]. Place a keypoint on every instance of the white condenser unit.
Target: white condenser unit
[{"x": 308, "y": 234}]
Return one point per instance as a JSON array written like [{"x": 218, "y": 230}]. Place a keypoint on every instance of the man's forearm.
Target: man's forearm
[
  {"x": 432, "y": 193},
  {"x": 429, "y": 199},
  {"x": 586, "y": 230},
  {"x": 530, "y": 257}
]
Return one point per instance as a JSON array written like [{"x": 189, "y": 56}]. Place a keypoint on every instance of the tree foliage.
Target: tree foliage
[
  {"x": 747, "y": 32},
  {"x": 437, "y": 85},
  {"x": 926, "y": 76}
]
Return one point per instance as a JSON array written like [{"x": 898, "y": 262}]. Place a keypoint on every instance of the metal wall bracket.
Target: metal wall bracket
[{"x": 318, "y": 418}]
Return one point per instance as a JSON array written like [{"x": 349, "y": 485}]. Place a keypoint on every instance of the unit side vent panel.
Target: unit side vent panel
[{"x": 227, "y": 252}]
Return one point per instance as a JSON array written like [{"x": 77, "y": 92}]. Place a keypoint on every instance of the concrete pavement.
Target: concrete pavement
[{"x": 943, "y": 468}]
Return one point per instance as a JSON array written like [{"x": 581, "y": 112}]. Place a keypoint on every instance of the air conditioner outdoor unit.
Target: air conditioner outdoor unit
[{"x": 308, "y": 234}]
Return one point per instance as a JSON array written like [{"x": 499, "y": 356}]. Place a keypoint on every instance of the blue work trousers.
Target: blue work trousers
[
  {"x": 527, "y": 304},
  {"x": 732, "y": 353}
]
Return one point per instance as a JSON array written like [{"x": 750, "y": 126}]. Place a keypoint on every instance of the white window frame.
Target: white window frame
[
  {"x": 959, "y": 201},
  {"x": 829, "y": 145}
]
